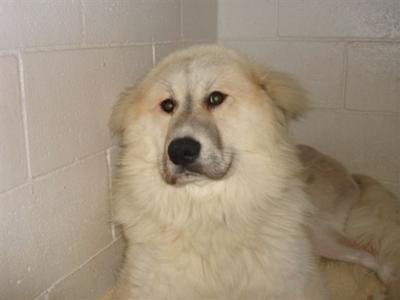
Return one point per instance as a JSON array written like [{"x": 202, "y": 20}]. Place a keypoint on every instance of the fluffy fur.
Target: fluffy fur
[
  {"x": 366, "y": 215},
  {"x": 240, "y": 237},
  {"x": 373, "y": 223}
]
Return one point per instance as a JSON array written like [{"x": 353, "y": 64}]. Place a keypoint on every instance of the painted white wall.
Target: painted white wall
[
  {"x": 346, "y": 53},
  {"x": 62, "y": 66}
]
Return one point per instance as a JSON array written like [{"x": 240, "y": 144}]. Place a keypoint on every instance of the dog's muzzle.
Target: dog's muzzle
[{"x": 187, "y": 160}]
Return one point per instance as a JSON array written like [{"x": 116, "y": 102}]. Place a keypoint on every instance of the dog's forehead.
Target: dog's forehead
[
  {"x": 195, "y": 70},
  {"x": 198, "y": 71}
]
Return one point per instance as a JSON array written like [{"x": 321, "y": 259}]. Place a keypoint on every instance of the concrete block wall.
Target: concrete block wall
[
  {"x": 62, "y": 66},
  {"x": 346, "y": 53}
]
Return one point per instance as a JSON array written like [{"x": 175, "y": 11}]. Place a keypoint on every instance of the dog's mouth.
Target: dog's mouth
[
  {"x": 183, "y": 176},
  {"x": 214, "y": 168}
]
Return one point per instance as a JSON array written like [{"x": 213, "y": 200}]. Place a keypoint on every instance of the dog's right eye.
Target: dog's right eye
[
  {"x": 215, "y": 99},
  {"x": 168, "y": 105}
]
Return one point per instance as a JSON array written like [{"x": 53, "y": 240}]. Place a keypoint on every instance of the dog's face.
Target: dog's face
[
  {"x": 198, "y": 102},
  {"x": 195, "y": 147},
  {"x": 198, "y": 114}
]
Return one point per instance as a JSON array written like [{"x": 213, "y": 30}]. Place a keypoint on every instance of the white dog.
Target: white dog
[{"x": 209, "y": 192}]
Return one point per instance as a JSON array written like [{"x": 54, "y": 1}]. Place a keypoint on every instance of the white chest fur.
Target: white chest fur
[{"x": 216, "y": 262}]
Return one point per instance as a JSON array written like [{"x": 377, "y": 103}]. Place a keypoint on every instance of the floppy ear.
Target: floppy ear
[
  {"x": 117, "y": 122},
  {"x": 288, "y": 95}
]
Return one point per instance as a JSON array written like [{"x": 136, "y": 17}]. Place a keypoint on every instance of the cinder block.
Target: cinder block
[
  {"x": 10, "y": 36},
  {"x": 373, "y": 77},
  {"x": 339, "y": 18},
  {"x": 165, "y": 19},
  {"x": 69, "y": 100},
  {"x": 366, "y": 142},
  {"x": 13, "y": 170},
  {"x": 39, "y": 23},
  {"x": 317, "y": 66},
  {"x": 200, "y": 20},
  {"x": 247, "y": 19},
  {"x": 94, "y": 279},
  {"x": 163, "y": 50},
  {"x": 122, "y": 21},
  {"x": 51, "y": 232},
  {"x": 18, "y": 221}
]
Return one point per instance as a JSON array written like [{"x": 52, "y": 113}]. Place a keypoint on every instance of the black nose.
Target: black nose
[{"x": 184, "y": 151}]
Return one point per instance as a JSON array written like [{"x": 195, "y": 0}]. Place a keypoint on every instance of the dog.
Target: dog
[
  {"x": 214, "y": 200},
  {"x": 209, "y": 191}
]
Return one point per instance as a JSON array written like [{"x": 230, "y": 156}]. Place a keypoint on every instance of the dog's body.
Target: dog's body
[
  {"x": 228, "y": 224},
  {"x": 213, "y": 198},
  {"x": 364, "y": 219}
]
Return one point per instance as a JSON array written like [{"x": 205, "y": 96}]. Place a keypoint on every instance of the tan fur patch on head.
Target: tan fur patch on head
[{"x": 284, "y": 91}]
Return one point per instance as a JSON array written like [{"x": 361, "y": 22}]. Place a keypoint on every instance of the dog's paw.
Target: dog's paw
[{"x": 386, "y": 273}]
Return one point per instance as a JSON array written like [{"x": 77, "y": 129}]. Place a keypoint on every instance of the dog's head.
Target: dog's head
[{"x": 200, "y": 111}]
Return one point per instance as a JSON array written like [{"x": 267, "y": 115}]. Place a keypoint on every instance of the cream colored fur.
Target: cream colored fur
[
  {"x": 367, "y": 214},
  {"x": 241, "y": 237},
  {"x": 375, "y": 224}
]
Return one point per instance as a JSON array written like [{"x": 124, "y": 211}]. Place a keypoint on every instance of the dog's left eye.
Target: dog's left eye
[
  {"x": 215, "y": 99},
  {"x": 168, "y": 105}
]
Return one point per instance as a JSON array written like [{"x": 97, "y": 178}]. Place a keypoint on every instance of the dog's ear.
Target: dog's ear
[
  {"x": 117, "y": 122},
  {"x": 288, "y": 95}
]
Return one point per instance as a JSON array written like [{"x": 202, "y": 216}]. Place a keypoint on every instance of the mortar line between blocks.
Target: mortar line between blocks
[
  {"x": 9, "y": 52},
  {"x": 153, "y": 53},
  {"x": 67, "y": 166},
  {"x": 345, "y": 75},
  {"x": 83, "y": 23},
  {"x": 343, "y": 110},
  {"x": 284, "y": 38},
  {"x": 109, "y": 169},
  {"x": 109, "y": 194},
  {"x": 181, "y": 19},
  {"x": 377, "y": 112},
  {"x": 24, "y": 114},
  {"x": 44, "y": 295},
  {"x": 94, "y": 46},
  {"x": 113, "y": 233},
  {"x": 277, "y": 18},
  {"x": 199, "y": 41},
  {"x": 52, "y": 286},
  {"x": 15, "y": 188}
]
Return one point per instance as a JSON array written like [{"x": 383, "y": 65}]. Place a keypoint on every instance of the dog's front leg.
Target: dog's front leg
[{"x": 332, "y": 244}]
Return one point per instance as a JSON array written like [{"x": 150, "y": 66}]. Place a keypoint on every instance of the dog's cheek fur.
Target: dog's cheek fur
[
  {"x": 263, "y": 130},
  {"x": 121, "y": 110}
]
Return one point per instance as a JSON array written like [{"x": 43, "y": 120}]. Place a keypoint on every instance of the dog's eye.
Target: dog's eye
[
  {"x": 168, "y": 105},
  {"x": 215, "y": 99}
]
